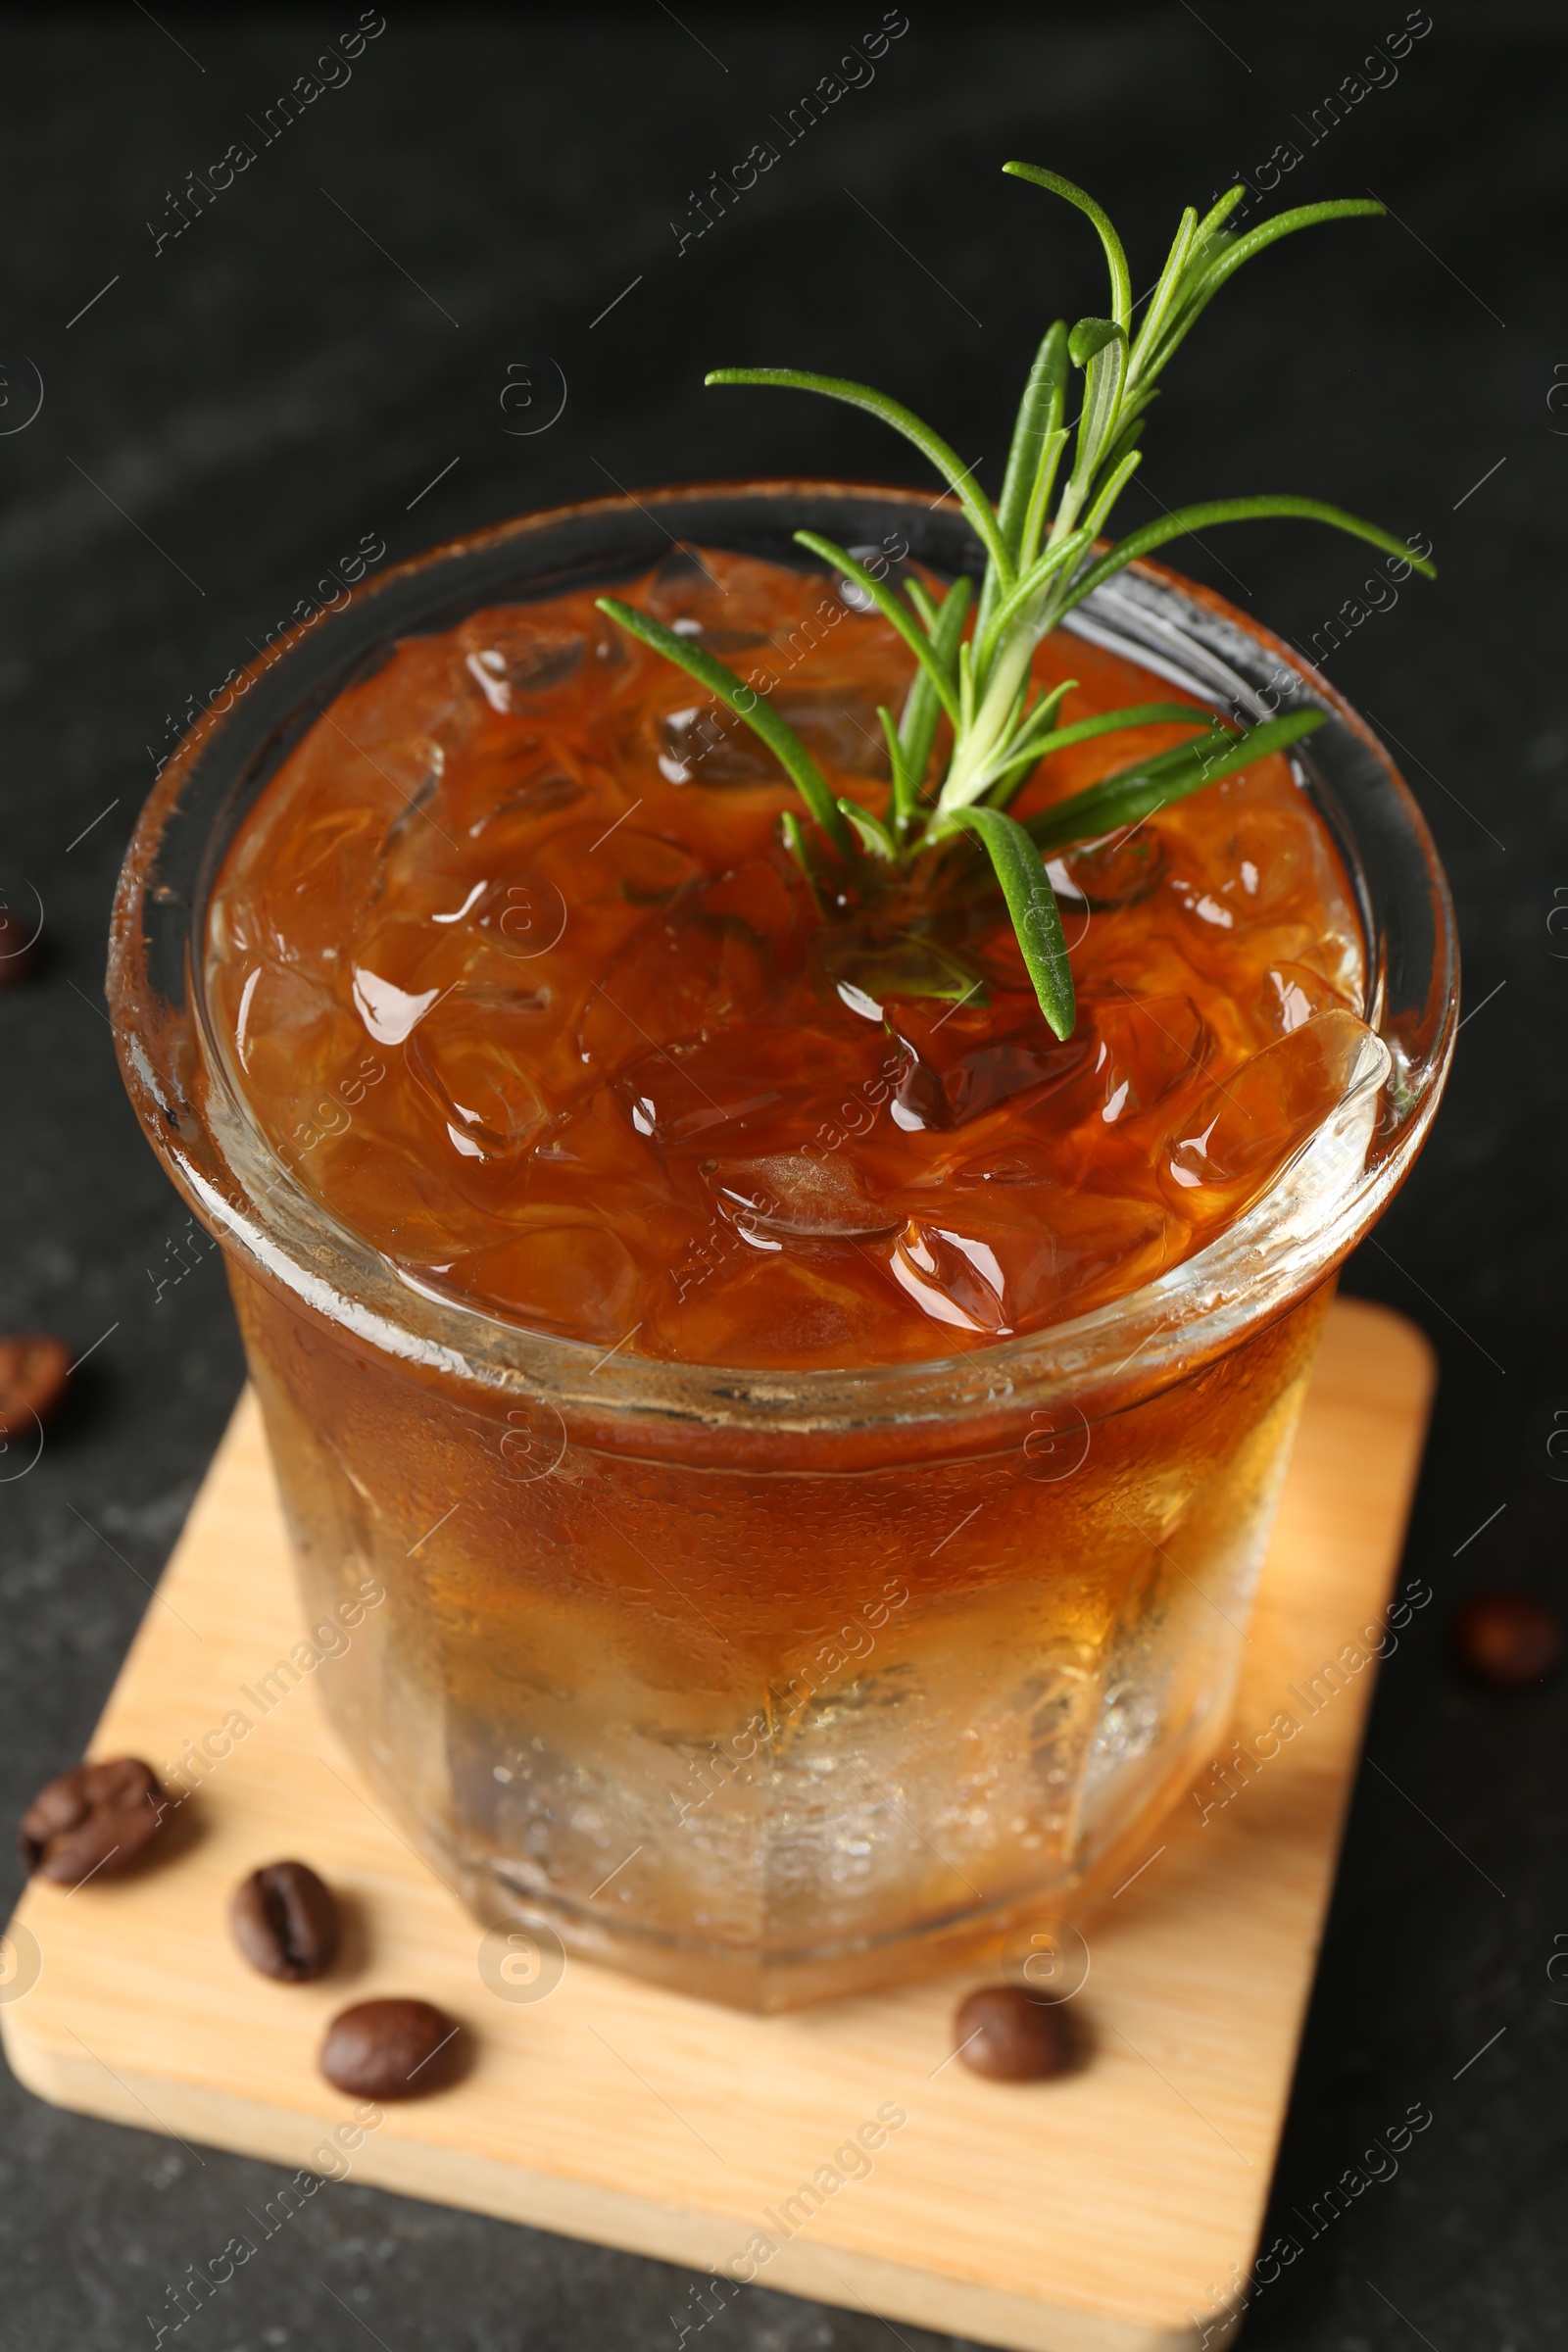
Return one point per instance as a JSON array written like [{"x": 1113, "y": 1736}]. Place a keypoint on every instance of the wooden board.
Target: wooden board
[{"x": 1093, "y": 2214}]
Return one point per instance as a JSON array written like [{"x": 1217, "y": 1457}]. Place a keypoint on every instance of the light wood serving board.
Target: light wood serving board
[{"x": 1095, "y": 2214}]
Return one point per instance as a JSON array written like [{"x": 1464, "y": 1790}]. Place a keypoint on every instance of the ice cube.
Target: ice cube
[
  {"x": 1236, "y": 1139},
  {"x": 498, "y": 925},
  {"x": 1203, "y": 905},
  {"x": 891, "y": 576},
  {"x": 954, "y": 1277},
  {"x": 797, "y": 1198},
  {"x": 574, "y": 1277},
  {"x": 1010, "y": 1257},
  {"x": 841, "y": 728},
  {"x": 1253, "y": 861},
  {"x": 777, "y": 1084},
  {"x": 471, "y": 1056},
  {"x": 1141, "y": 1049},
  {"x": 702, "y": 742},
  {"x": 870, "y": 968},
  {"x": 1292, "y": 995},
  {"x": 512, "y": 657},
  {"x": 679, "y": 978},
  {"x": 595, "y": 1147},
  {"x": 410, "y": 767},
  {"x": 673, "y": 1103},
  {"x": 390, "y": 1013},
  {"x": 540, "y": 793},
  {"x": 609, "y": 867},
  {"x": 772, "y": 904},
  {"x": 391, "y": 1192},
  {"x": 1007, "y": 1162},
  {"x": 725, "y": 598},
  {"x": 1120, "y": 871},
  {"x": 292, "y": 1033},
  {"x": 331, "y": 856},
  {"x": 966, "y": 1062},
  {"x": 288, "y": 910},
  {"x": 739, "y": 1307}
]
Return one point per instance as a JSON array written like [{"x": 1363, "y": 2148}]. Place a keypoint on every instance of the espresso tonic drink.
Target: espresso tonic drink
[{"x": 733, "y": 1683}]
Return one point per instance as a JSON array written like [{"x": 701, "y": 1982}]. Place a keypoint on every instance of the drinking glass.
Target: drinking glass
[{"x": 774, "y": 1686}]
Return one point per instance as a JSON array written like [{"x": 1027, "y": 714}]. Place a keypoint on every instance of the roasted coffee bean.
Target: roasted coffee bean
[
  {"x": 92, "y": 1822},
  {"x": 388, "y": 2049},
  {"x": 285, "y": 1922},
  {"x": 1507, "y": 1638},
  {"x": 1000, "y": 2032},
  {"x": 32, "y": 1380}
]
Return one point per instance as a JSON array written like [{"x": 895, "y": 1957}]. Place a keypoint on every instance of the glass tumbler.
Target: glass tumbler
[{"x": 773, "y": 1687}]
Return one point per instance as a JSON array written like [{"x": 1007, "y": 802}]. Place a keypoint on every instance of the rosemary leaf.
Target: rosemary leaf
[
  {"x": 870, "y": 832},
  {"x": 1210, "y": 238},
  {"x": 925, "y": 606},
  {"x": 1027, "y": 755},
  {"x": 1129, "y": 426},
  {"x": 1032, "y": 905},
  {"x": 1037, "y": 719},
  {"x": 891, "y": 608},
  {"x": 1214, "y": 220},
  {"x": 1115, "y": 484},
  {"x": 1206, "y": 281},
  {"x": 1170, "y": 279},
  {"x": 922, "y": 709},
  {"x": 1039, "y": 416},
  {"x": 745, "y": 703},
  {"x": 789, "y": 824},
  {"x": 1089, "y": 338},
  {"x": 1038, "y": 425},
  {"x": 966, "y": 685},
  {"x": 1034, "y": 523},
  {"x": 1026, "y": 752},
  {"x": 905, "y": 787},
  {"x": 1105, "y": 364},
  {"x": 1235, "y": 509},
  {"x": 1133, "y": 793},
  {"x": 1130, "y": 714},
  {"x": 1121, "y": 284},
  {"x": 930, "y": 444}
]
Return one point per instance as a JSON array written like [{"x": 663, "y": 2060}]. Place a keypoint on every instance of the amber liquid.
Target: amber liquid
[
  {"x": 524, "y": 986},
  {"x": 516, "y": 978}
]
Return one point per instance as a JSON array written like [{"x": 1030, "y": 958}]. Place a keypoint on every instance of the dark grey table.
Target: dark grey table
[{"x": 322, "y": 351}]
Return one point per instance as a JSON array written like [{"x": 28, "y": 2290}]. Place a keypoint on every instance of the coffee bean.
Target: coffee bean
[
  {"x": 32, "y": 1380},
  {"x": 285, "y": 1922},
  {"x": 388, "y": 2049},
  {"x": 1507, "y": 1638},
  {"x": 1000, "y": 2032},
  {"x": 92, "y": 1822}
]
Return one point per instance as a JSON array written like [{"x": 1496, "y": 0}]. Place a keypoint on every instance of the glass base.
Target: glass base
[{"x": 766, "y": 1742}]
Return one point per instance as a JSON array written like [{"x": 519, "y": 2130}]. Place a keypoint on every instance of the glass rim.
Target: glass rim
[{"x": 1255, "y": 1269}]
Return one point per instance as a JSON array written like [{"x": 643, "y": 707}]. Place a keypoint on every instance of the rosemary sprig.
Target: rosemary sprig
[{"x": 1039, "y": 542}]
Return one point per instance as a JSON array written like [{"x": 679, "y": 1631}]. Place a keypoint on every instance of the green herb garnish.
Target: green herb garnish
[{"x": 1039, "y": 541}]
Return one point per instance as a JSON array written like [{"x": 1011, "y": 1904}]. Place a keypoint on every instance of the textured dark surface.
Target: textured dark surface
[{"x": 271, "y": 385}]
